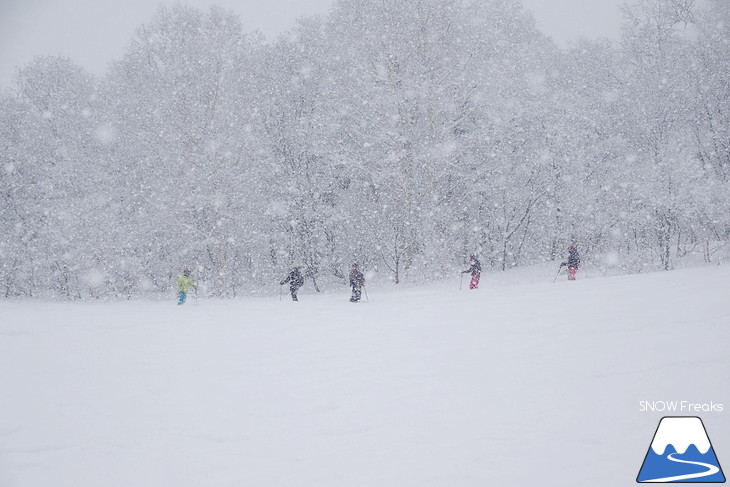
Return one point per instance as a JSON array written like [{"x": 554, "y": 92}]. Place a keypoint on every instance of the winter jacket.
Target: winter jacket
[
  {"x": 573, "y": 258},
  {"x": 475, "y": 269},
  {"x": 294, "y": 279},
  {"x": 356, "y": 278},
  {"x": 184, "y": 283}
]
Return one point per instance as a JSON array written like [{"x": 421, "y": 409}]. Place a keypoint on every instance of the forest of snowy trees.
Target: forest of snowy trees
[{"x": 402, "y": 134}]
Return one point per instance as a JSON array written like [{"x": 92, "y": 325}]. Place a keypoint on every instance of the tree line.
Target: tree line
[{"x": 401, "y": 134}]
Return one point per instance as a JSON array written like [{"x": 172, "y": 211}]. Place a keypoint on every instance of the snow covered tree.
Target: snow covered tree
[
  {"x": 179, "y": 105},
  {"x": 299, "y": 168},
  {"x": 709, "y": 121},
  {"x": 47, "y": 176},
  {"x": 404, "y": 135},
  {"x": 657, "y": 106}
]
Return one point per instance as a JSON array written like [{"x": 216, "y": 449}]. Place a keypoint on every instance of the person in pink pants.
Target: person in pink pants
[
  {"x": 476, "y": 271},
  {"x": 573, "y": 262}
]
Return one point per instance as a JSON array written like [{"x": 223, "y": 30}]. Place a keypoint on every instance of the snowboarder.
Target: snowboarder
[
  {"x": 295, "y": 281},
  {"x": 476, "y": 271},
  {"x": 357, "y": 281},
  {"x": 573, "y": 262},
  {"x": 184, "y": 283}
]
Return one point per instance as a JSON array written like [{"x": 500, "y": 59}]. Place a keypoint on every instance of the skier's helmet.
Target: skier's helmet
[
  {"x": 571, "y": 247},
  {"x": 186, "y": 272}
]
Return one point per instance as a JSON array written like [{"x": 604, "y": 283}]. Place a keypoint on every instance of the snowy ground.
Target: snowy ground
[{"x": 529, "y": 384}]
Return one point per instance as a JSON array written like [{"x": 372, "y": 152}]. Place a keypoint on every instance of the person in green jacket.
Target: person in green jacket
[{"x": 184, "y": 283}]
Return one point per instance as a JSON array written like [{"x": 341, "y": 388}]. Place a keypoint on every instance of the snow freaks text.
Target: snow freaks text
[{"x": 680, "y": 407}]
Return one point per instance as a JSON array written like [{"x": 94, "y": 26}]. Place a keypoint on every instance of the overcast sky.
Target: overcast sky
[{"x": 94, "y": 32}]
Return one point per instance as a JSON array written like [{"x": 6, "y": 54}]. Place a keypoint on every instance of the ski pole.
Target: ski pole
[
  {"x": 461, "y": 280},
  {"x": 366, "y": 294},
  {"x": 556, "y": 275}
]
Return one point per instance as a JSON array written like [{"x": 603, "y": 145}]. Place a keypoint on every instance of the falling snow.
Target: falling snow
[{"x": 402, "y": 135}]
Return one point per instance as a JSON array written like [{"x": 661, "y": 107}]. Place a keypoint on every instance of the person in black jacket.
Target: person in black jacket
[
  {"x": 475, "y": 269},
  {"x": 573, "y": 262},
  {"x": 357, "y": 281},
  {"x": 295, "y": 281}
]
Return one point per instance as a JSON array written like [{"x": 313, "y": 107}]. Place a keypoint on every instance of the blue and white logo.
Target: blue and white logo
[{"x": 681, "y": 452}]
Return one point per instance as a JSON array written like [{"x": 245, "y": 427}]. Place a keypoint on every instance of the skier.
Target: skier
[
  {"x": 357, "y": 281},
  {"x": 184, "y": 283},
  {"x": 476, "y": 271},
  {"x": 295, "y": 281},
  {"x": 573, "y": 262}
]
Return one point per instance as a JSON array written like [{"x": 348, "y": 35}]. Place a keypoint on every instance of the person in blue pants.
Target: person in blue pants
[{"x": 184, "y": 284}]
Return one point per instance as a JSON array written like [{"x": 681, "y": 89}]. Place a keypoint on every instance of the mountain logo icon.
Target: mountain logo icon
[{"x": 681, "y": 452}]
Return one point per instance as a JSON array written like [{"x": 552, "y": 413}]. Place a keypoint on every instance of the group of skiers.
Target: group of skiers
[
  {"x": 295, "y": 279},
  {"x": 475, "y": 269}
]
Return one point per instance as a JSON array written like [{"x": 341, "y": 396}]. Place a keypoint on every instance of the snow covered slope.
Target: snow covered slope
[{"x": 530, "y": 384}]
